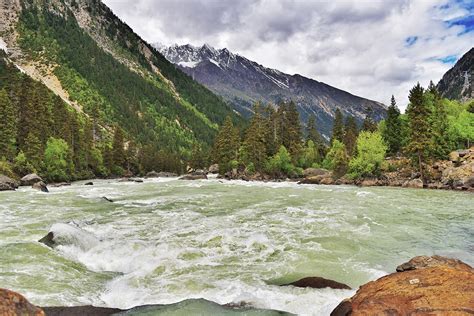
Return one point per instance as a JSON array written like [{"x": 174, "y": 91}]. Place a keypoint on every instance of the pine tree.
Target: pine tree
[
  {"x": 272, "y": 142},
  {"x": 34, "y": 150},
  {"x": 420, "y": 129},
  {"x": 351, "y": 131},
  {"x": 26, "y": 119},
  {"x": 226, "y": 145},
  {"x": 7, "y": 127},
  {"x": 254, "y": 149},
  {"x": 313, "y": 135},
  {"x": 369, "y": 124},
  {"x": 118, "y": 151},
  {"x": 198, "y": 158},
  {"x": 337, "y": 127},
  {"x": 294, "y": 144},
  {"x": 392, "y": 134}
]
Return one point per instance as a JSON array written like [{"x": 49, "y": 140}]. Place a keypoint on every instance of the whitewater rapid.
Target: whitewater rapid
[{"x": 165, "y": 240}]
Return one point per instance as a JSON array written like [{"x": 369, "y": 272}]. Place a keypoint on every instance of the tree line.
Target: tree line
[{"x": 277, "y": 144}]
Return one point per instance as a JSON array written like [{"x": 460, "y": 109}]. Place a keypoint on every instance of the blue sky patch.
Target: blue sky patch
[
  {"x": 411, "y": 40},
  {"x": 451, "y": 59}
]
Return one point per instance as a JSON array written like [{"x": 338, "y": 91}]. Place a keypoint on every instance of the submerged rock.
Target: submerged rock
[
  {"x": 12, "y": 303},
  {"x": 80, "y": 311},
  {"x": 69, "y": 235},
  {"x": 107, "y": 199},
  {"x": 60, "y": 184},
  {"x": 7, "y": 184},
  {"x": 186, "y": 307},
  {"x": 48, "y": 240},
  {"x": 318, "y": 283},
  {"x": 41, "y": 186},
  {"x": 30, "y": 179},
  {"x": 425, "y": 286},
  {"x": 89, "y": 183}
]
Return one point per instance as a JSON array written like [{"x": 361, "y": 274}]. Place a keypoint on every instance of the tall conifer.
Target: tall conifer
[
  {"x": 420, "y": 130},
  {"x": 7, "y": 127},
  {"x": 393, "y": 128},
  {"x": 337, "y": 127}
]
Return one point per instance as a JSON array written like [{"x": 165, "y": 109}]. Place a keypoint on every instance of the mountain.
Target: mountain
[
  {"x": 106, "y": 75},
  {"x": 244, "y": 82},
  {"x": 456, "y": 84}
]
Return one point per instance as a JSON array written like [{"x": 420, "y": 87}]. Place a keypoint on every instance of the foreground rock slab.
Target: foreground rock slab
[
  {"x": 12, "y": 303},
  {"x": 425, "y": 286}
]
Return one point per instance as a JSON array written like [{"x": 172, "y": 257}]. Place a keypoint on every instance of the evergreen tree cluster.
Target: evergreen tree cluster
[
  {"x": 272, "y": 143},
  {"x": 41, "y": 133}
]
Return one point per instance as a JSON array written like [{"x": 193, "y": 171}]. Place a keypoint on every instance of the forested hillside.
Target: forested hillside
[{"x": 116, "y": 82}]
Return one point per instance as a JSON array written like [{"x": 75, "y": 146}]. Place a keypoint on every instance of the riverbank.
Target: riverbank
[{"x": 457, "y": 173}]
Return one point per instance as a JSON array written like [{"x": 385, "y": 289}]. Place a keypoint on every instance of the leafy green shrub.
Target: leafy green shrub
[
  {"x": 250, "y": 168},
  {"x": 280, "y": 163},
  {"x": 56, "y": 158},
  {"x": 371, "y": 151},
  {"x": 6, "y": 169},
  {"x": 336, "y": 159},
  {"x": 310, "y": 156},
  {"x": 21, "y": 165}
]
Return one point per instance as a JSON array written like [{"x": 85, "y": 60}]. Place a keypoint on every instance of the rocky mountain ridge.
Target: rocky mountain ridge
[
  {"x": 457, "y": 83},
  {"x": 243, "y": 82}
]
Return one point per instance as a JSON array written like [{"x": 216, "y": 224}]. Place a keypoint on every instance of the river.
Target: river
[{"x": 165, "y": 240}]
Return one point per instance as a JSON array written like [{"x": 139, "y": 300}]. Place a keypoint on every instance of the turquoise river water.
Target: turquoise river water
[{"x": 165, "y": 240}]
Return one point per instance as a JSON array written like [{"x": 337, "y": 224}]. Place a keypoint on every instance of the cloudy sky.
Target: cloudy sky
[{"x": 370, "y": 48}]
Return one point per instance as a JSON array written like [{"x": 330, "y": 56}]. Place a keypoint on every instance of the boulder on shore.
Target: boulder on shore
[
  {"x": 41, "y": 186},
  {"x": 312, "y": 172},
  {"x": 415, "y": 183},
  {"x": 30, "y": 179},
  {"x": 7, "y": 184},
  {"x": 162, "y": 174},
  {"x": 12, "y": 303},
  {"x": 214, "y": 168},
  {"x": 423, "y": 286},
  {"x": 318, "y": 283},
  {"x": 193, "y": 176}
]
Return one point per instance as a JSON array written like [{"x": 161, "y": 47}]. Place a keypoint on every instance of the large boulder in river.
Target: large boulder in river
[
  {"x": 319, "y": 283},
  {"x": 7, "y": 184},
  {"x": 30, "y": 179},
  {"x": 41, "y": 186},
  {"x": 12, "y": 303},
  {"x": 425, "y": 286}
]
